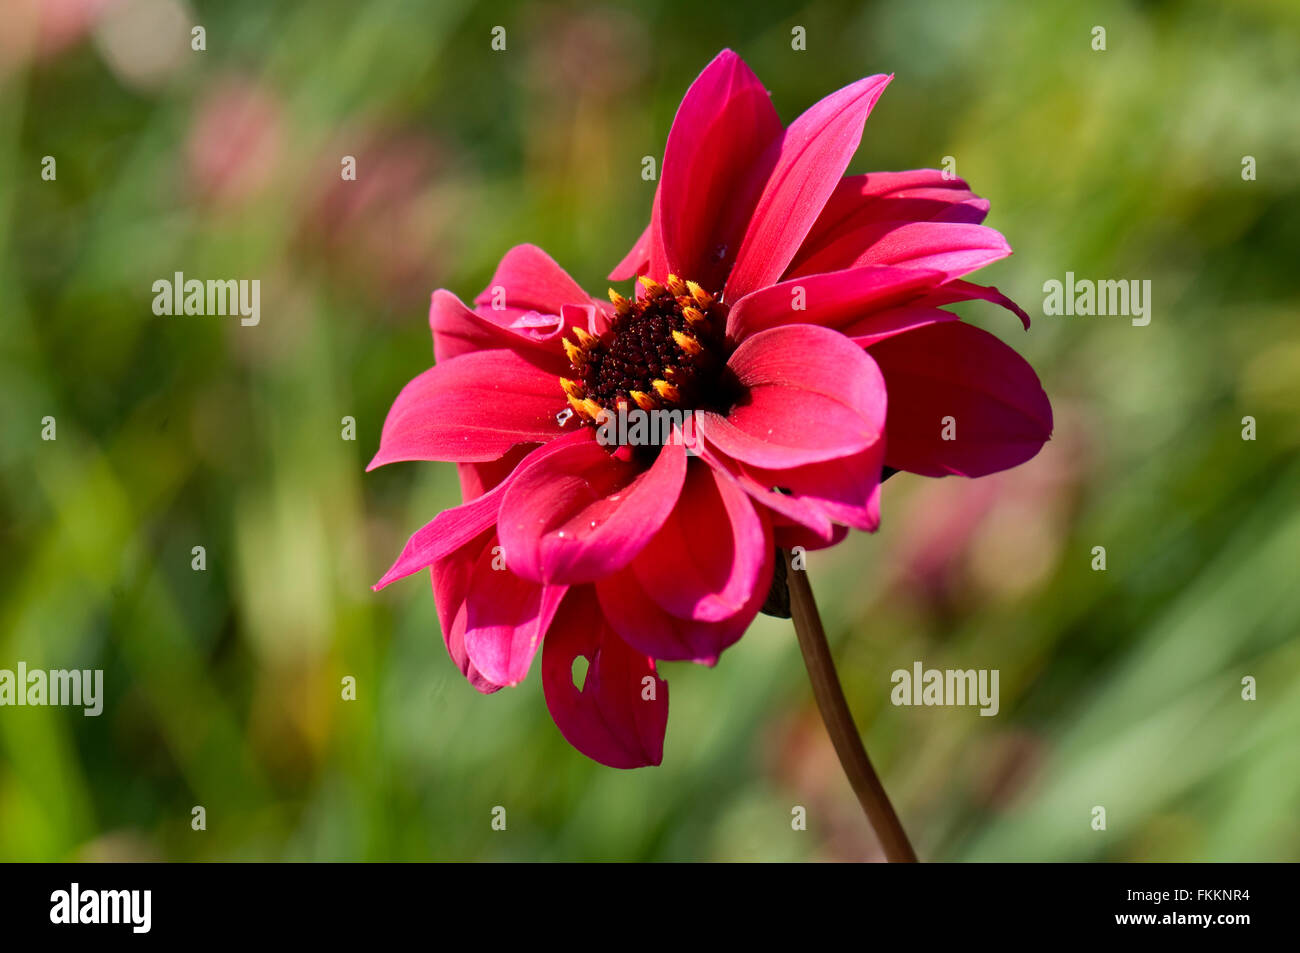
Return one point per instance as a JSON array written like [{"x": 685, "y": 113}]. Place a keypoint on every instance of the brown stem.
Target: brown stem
[{"x": 839, "y": 721}]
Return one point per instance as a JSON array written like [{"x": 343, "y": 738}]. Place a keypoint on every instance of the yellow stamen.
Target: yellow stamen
[
  {"x": 643, "y": 400},
  {"x": 591, "y": 408},
  {"x": 693, "y": 315},
  {"x": 572, "y": 388},
  {"x": 621, "y": 304},
  {"x": 576, "y": 354},
  {"x": 687, "y": 343},
  {"x": 667, "y": 391},
  {"x": 702, "y": 297},
  {"x": 585, "y": 338},
  {"x": 653, "y": 289},
  {"x": 676, "y": 286}
]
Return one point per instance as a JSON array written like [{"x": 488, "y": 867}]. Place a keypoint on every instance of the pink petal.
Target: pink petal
[
  {"x": 845, "y": 490},
  {"x": 960, "y": 290},
  {"x": 791, "y": 534},
  {"x": 874, "y": 328},
  {"x": 621, "y": 713},
  {"x": 811, "y": 395},
  {"x": 708, "y": 558},
  {"x": 713, "y": 171},
  {"x": 445, "y": 533},
  {"x": 1002, "y": 417},
  {"x": 918, "y": 195},
  {"x": 530, "y": 280},
  {"x": 457, "y": 330},
  {"x": 778, "y": 506},
  {"x": 477, "y": 478},
  {"x": 506, "y": 618},
  {"x": 452, "y": 574},
  {"x": 472, "y": 408},
  {"x": 952, "y": 248},
  {"x": 832, "y": 300},
  {"x": 817, "y": 497},
  {"x": 646, "y": 627},
  {"x": 574, "y": 513},
  {"x": 812, "y": 156}
]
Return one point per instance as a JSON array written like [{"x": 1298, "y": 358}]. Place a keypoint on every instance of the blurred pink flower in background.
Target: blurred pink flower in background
[
  {"x": 799, "y": 758},
  {"x": 584, "y": 52},
  {"x": 384, "y": 230},
  {"x": 235, "y": 141},
  {"x": 42, "y": 29}
]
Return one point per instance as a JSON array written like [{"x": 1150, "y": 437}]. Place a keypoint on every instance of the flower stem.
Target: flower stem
[{"x": 839, "y": 721}]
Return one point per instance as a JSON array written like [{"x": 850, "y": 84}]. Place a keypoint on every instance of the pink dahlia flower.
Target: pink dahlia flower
[{"x": 798, "y": 313}]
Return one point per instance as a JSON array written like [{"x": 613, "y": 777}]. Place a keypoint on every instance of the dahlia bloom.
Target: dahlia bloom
[{"x": 798, "y": 313}]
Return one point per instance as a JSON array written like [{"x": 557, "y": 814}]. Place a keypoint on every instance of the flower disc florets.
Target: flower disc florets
[{"x": 665, "y": 350}]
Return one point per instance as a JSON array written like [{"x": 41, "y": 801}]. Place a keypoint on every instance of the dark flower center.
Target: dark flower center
[{"x": 664, "y": 351}]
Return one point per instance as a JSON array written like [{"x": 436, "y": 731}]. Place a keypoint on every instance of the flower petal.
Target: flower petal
[
  {"x": 913, "y": 196},
  {"x": 790, "y": 534},
  {"x": 709, "y": 556},
  {"x": 810, "y": 396},
  {"x": 447, "y": 532},
  {"x": 477, "y": 478},
  {"x": 452, "y": 574},
  {"x": 506, "y": 618},
  {"x": 779, "y": 506},
  {"x": 955, "y": 249},
  {"x": 472, "y": 408},
  {"x": 646, "y": 627},
  {"x": 528, "y": 279},
  {"x": 457, "y": 330},
  {"x": 811, "y": 157},
  {"x": 832, "y": 300},
  {"x": 713, "y": 170},
  {"x": 960, "y": 290},
  {"x": 846, "y": 489},
  {"x": 874, "y": 328},
  {"x": 574, "y": 513},
  {"x": 1000, "y": 415},
  {"x": 620, "y": 714}
]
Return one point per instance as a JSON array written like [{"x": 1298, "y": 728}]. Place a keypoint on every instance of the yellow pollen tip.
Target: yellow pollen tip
[
  {"x": 653, "y": 289},
  {"x": 667, "y": 391},
  {"x": 676, "y": 286},
  {"x": 591, "y": 408},
  {"x": 643, "y": 400},
  {"x": 687, "y": 343},
  {"x": 576, "y": 354},
  {"x": 572, "y": 388},
  {"x": 702, "y": 297},
  {"x": 620, "y": 303},
  {"x": 576, "y": 404},
  {"x": 693, "y": 314},
  {"x": 585, "y": 338}
]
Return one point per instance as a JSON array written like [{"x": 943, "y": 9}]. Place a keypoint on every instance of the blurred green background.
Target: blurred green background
[{"x": 1119, "y": 688}]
